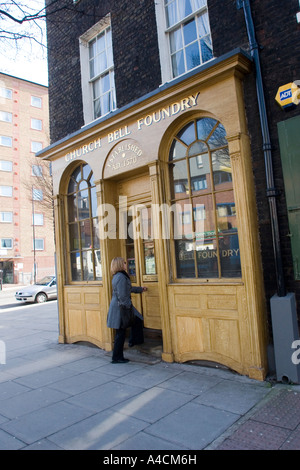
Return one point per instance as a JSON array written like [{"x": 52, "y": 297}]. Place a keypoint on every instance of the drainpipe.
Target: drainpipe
[{"x": 271, "y": 191}]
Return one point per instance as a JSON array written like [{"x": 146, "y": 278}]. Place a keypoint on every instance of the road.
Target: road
[{"x": 8, "y": 301}]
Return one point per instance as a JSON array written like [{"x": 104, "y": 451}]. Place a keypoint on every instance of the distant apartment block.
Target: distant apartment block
[{"x": 26, "y": 220}]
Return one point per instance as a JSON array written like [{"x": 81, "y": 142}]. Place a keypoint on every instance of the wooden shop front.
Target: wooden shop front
[{"x": 167, "y": 184}]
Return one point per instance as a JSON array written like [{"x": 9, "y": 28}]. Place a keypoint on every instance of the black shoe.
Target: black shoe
[
  {"x": 120, "y": 361},
  {"x": 130, "y": 345}
]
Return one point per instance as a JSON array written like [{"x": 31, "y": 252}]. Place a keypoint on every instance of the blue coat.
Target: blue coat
[{"x": 121, "y": 292}]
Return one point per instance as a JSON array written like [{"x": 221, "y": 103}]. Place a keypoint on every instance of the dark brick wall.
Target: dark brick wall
[
  {"x": 137, "y": 67},
  {"x": 277, "y": 33}
]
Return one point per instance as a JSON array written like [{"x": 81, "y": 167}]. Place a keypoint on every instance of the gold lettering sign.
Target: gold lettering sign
[
  {"x": 123, "y": 158},
  {"x": 83, "y": 150}
]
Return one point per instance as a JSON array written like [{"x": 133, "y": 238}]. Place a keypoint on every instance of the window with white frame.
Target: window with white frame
[
  {"x": 38, "y": 219},
  {"x": 7, "y": 243},
  {"x": 6, "y": 191},
  {"x": 97, "y": 69},
  {"x": 184, "y": 36},
  {"x": 36, "y": 146},
  {"x": 38, "y": 244},
  {"x": 37, "y": 170},
  {"x": 5, "y": 116},
  {"x": 6, "y": 217},
  {"x": 5, "y": 141},
  {"x": 36, "y": 101},
  {"x": 6, "y": 93},
  {"x": 37, "y": 194},
  {"x": 6, "y": 165},
  {"x": 36, "y": 124}
]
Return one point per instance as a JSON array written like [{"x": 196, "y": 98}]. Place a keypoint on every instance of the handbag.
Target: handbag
[{"x": 127, "y": 316}]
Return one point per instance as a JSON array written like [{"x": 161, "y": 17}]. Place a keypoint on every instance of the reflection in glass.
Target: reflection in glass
[
  {"x": 72, "y": 208},
  {"x": 74, "y": 237},
  {"x": 203, "y": 224},
  {"x": 83, "y": 204},
  {"x": 75, "y": 266},
  {"x": 83, "y": 228},
  {"x": 184, "y": 259},
  {"x": 230, "y": 256},
  {"x": 85, "y": 234},
  {"x": 207, "y": 259}
]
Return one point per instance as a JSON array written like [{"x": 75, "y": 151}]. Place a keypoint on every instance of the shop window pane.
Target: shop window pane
[
  {"x": 218, "y": 138},
  {"x": 96, "y": 239},
  {"x": 207, "y": 258},
  {"x": 185, "y": 263},
  {"x": 204, "y": 127},
  {"x": 178, "y": 178},
  {"x": 187, "y": 134},
  {"x": 75, "y": 266},
  {"x": 199, "y": 173},
  {"x": 226, "y": 212},
  {"x": 178, "y": 150},
  {"x": 72, "y": 208},
  {"x": 98, "y": 265},
  {"x": 83, "y": 204},
  {"x": 93, "y": 202},
  {"x": 230, "y": 256},
  {"x": 88, "y": 265},
  {"x": 149, "y": 258},
  {"x": 85, "y": 234},
  {"x": 74, "y": 237}
]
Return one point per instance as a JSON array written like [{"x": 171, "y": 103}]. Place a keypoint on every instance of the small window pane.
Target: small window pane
[
  {"x": 36, "y": 101},
  {"x": 38, "y": 219},
  {"x": 6, "y": 93},
  {"x": 36, "y": 146},
  {"x": 5, "y": 116},
  {"x": 6, "y": 217},
  {"x": 37, "y": 170},
  {"x": 6, "y": 243},
  {"x": 75, "y": 266},
  {"x": 38, "y": 244},
  {"x": 6, "y": 191},
  {"x": 36, "y": 124},
  {"x": 5, "y": 141},
  {"x": 6, "y": 165}
]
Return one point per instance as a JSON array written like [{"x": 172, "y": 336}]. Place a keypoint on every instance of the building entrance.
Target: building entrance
[{"x": 137, "y": 242}]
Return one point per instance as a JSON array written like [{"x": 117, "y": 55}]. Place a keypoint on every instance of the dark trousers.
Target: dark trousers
[
  {"x": 119, "y": 344},
  {"x": 137, "y": 332}
]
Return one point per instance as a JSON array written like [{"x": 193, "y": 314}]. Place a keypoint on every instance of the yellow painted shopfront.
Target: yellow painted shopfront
[{"x": 167, "y": 184}]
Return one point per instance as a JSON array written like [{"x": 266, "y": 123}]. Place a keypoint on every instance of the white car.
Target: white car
[{"x": 43, "y": 290}]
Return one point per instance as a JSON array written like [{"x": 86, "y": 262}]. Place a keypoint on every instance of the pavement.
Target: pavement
[{"x": 71, "y": 397}]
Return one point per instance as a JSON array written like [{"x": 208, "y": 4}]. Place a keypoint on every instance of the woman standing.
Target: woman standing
[{"x": 121, "y": 296}]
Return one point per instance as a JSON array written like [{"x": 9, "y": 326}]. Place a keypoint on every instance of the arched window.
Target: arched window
[
  {"x": 201, "y": 196},
  {"x": 84, "y": 244}
]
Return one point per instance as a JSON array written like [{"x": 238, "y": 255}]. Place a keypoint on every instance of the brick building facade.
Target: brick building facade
[
  {"x": 146, "y": 65},
  {"x": 26, "y": 225}
]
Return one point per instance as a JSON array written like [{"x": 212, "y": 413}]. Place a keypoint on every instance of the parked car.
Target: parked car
[{"x": 42, "y": 291}]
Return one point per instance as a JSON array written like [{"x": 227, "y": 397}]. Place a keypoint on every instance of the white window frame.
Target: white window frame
[
  {"x": 34, "y": 244},
  {"x": 86, "y": 82},
  {"x": 6, "y": 191},
  {"x": 38, "y": 145},
  {"x": 37, "y": 170},
  {"x": 37, "y": 219},
  {"x": 5, "y": 116},
  {"x": 164, "y": 42},
  {"x": 6, "y": 217},
  {"x": 5, "y": 240},
  {"x": 36, "y": 124},
  {"x": 5, "y": 167},
  {"x": 5, "y": 141},
  {"x": 37, "y": 194},
  {"x": 36, "y": 101},
  {"x": 6, "y": 93}
]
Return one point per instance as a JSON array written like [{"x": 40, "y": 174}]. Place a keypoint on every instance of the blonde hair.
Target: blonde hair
[{"x": 117, "y": 264}]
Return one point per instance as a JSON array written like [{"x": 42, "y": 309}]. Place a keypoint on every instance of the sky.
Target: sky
[{"x": 26, "y": 59}]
